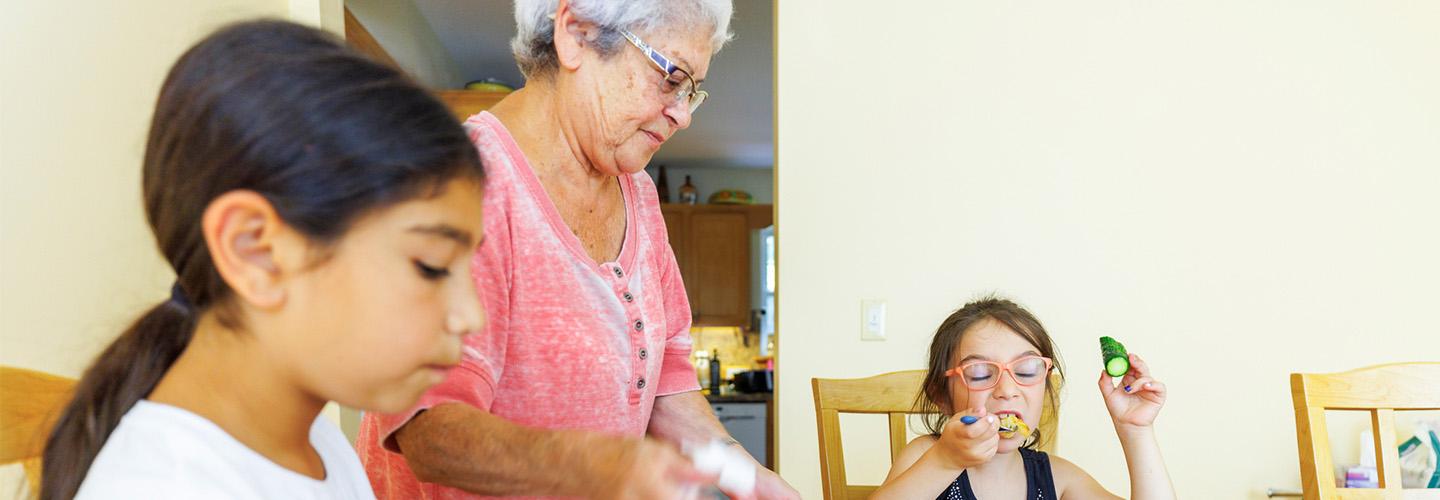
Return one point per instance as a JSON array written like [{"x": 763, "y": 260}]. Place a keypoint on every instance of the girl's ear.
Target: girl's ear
[{"x": 250, "y": 247}]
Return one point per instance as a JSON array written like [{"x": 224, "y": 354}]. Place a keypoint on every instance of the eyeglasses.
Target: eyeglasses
[
  {"x": 686, "y": 90},
  {"x": 982, "y": 375}
]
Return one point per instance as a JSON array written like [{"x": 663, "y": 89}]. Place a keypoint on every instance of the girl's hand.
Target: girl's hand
[
  {"x": 1136, "y": 401},
  {"x": 961, "y": 445}
]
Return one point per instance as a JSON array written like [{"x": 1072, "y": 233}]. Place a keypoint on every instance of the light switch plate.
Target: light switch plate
[{"x": 872, "y": 319}]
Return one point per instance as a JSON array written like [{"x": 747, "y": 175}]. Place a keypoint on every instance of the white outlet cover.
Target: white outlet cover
[{"x": 872, "y": 319}]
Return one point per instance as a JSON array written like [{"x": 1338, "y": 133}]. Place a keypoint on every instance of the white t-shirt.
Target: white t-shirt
[{"x": 160, "y": 451}]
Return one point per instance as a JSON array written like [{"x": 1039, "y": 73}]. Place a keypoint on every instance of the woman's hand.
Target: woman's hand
[
  {"x": 769, "y": 486},
  {"x": 647, "y": 469},
  {"x": 1136, "y": 401},
  {"x": 964, "y": 445}
]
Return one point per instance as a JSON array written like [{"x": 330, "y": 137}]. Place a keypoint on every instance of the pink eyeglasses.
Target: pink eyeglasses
[{"x": 982, "y": 375}]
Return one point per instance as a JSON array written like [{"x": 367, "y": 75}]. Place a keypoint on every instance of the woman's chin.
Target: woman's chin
[
  {"x": 633, "y": 159},
  {"x": 631, "y": 167}
]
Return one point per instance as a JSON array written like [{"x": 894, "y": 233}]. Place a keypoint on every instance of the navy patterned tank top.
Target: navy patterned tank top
[{"x": 1039, "y": 484}]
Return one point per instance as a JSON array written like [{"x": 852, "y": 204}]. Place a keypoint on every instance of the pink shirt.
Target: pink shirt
[{"x": 567, "y": 344}]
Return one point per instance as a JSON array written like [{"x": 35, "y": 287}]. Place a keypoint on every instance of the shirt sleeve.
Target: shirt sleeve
[
  {"x": 677, "y": 375},
  {"x": 483, "y": 352}
]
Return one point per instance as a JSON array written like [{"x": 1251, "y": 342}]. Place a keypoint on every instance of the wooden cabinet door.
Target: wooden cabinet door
[
  {"x": 677, "y": 228},
  {"x": 719, "y": 249}
]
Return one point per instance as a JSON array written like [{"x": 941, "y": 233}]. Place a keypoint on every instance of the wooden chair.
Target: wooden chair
[
  {"x": 1381, "y": 390},
  {"x": 891, "y": 394},
  {"x": 30, "y": 401}
]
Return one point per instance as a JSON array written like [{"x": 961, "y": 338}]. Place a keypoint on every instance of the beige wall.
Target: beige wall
[
  {"x": 79, "y": 84},
  {"x": 1236, "y": 190}
]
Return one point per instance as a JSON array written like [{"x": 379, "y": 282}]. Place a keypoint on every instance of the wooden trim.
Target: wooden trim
[
  {"x": 759, "y": 216},
  {"x": 361, "y": 40},
  {"x": 770, "y": 429},
  {"x": 465, "y": 103}
]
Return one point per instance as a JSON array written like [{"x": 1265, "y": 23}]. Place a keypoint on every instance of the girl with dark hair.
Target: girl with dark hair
[
  {"x": 990, "y": 362},
  {"x": 319, "y": 210}
]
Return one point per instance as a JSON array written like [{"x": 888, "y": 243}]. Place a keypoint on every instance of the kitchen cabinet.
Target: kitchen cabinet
[{"x": 712, "y": 245}]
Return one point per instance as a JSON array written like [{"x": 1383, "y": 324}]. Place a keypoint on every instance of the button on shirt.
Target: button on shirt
[{"x": 567, "y": 341}]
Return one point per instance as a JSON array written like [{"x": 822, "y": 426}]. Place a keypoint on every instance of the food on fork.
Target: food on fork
[{"x": 1010, "y": 425}]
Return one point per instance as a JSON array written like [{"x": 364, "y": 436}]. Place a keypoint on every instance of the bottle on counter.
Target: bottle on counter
[
  {"x": 702, "y": 369},
  {"x": 662, "y": 186},
  {"x": 688, "y": 193},
  {"x": 715, "y": 372}
]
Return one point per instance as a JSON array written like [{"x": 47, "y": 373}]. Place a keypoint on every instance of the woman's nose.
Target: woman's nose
[{"x": 679, "y": 113}]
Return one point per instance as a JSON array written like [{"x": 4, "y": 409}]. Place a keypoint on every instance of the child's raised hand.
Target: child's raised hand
[
  {"x": 966, "y": 445},
  {"x": 1137, "y": 399}
]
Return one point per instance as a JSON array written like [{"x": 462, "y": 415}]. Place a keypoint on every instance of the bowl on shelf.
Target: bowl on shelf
[{"x": 731, "y": 197}]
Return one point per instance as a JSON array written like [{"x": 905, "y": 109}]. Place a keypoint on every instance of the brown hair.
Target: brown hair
[
  {"x": 934, "y": 402},
  {"x": 322, "y": 132}
]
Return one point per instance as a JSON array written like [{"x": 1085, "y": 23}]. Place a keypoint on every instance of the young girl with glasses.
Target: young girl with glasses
[{"x": 991, "y": 362}]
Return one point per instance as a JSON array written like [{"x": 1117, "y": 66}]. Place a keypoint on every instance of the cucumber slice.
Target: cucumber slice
[{"x": 1114, "y": 357}]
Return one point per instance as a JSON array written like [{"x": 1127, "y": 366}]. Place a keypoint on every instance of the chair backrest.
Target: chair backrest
[
  {"x": 30, "y": 402},
  {"x": 892, "y": 394},
  {"x": 1380, "y": 389}
]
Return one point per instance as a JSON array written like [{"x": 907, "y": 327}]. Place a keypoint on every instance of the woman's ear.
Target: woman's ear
[
  {"x": 571, "y": 35},
  {"x": 241, "y": 229}
]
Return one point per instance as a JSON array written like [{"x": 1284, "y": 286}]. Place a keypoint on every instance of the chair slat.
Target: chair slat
[
  {"x": 897, "y": 434},
  {"x": 1382, "y": 424}
]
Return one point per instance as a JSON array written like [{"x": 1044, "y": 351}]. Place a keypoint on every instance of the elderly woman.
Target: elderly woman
[{"x": 580, "y": 383}]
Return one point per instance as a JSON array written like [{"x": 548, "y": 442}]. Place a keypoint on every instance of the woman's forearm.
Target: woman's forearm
[
  {"x": 685, "y": 417},
  {"x": 465, "y": 447},
  {"x": 1149, "y": 480}
]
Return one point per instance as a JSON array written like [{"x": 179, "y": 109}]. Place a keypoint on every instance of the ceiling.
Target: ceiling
[{"x": 734, "y": 128}]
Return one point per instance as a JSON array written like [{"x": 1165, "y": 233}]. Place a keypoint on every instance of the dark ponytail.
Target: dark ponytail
[{"x": 322, "y": 132}]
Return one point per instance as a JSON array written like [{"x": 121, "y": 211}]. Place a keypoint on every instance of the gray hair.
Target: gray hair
[{"x": 534, "y": 42}]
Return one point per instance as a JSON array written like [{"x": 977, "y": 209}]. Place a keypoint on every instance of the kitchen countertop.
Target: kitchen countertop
[{"x": 740, "y": 397}]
